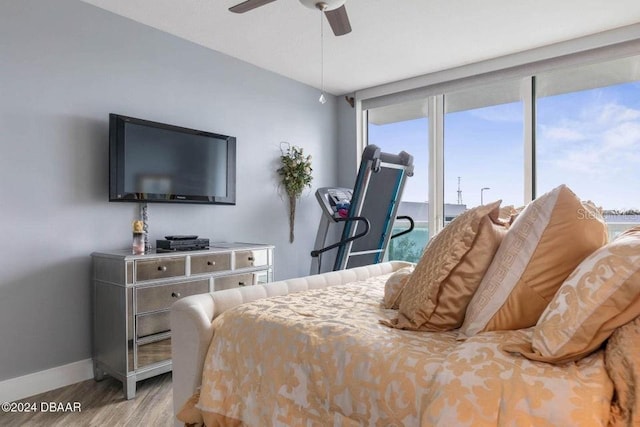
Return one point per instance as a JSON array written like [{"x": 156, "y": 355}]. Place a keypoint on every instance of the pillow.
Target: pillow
[
  {"x": 394, "y": 286},
  {"x": 545, "y": 243},
  {"x": 437, "y": 293},
  {"x": 602, "y": 294},
  {"x": 509, "y": 213}
]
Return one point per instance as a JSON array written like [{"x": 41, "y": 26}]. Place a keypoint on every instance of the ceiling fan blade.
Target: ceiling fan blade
[
  {"x": 248, "y": 5},
  {"x": 339, "y": 21}
]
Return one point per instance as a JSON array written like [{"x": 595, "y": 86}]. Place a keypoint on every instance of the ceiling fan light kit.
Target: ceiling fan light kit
[{"x": 323, "y": 5}]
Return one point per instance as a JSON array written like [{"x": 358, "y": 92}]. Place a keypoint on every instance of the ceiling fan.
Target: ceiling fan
[{"x": 334, "y": 10}]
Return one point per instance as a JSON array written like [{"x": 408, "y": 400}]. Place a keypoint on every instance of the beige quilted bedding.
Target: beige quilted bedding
[
  {"x": 622, "y": 357},
  {"x": 321, "y": 358}
]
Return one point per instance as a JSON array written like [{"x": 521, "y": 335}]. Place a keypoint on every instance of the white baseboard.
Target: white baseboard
[{"x": 49, "y": 379}]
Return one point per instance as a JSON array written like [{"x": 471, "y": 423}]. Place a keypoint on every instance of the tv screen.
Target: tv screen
[{"x": 157, "y": 162}]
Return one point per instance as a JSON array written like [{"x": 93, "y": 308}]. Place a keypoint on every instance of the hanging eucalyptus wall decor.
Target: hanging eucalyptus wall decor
[{"x": 295, "y": 176}]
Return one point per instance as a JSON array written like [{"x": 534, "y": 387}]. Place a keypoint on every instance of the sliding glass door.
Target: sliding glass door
[
  {"x": 483, "y": 147},
  {"x": 588, "y": 136},
  {"x": 404, "y": 127},
  {"x": 519, "y": 138}
]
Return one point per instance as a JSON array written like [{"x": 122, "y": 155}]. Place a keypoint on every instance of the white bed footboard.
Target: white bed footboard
[{"x": 191, "y": 319}]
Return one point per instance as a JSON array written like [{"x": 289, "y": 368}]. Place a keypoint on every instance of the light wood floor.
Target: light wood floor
[{"x": 102, "y": 404}]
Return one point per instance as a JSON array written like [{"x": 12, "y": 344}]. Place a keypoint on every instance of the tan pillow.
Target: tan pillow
[
  {"x": 509, "y": 213},
  {"x": 602, "y": 294},
  {"x": 436, "y": 295},
  {"x": 394, "y": 286},
  {"x": 545, "y": 243}
]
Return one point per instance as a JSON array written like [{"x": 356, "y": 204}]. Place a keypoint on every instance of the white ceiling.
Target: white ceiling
[{"x": 391, "y": 39}]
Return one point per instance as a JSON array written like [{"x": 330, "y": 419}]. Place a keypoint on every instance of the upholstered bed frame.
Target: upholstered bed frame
[
  {"x": 191, "y": 319},
  {"x": 499, "y": 320}
]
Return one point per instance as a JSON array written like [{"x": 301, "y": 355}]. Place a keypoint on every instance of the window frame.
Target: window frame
[{"x": 601, "y": 47}]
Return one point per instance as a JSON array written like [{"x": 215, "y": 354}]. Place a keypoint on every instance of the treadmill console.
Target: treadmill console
[{"x": 335, "y": 201}]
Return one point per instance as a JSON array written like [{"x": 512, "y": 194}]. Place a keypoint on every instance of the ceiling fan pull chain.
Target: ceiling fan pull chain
[{"x": 322, "y": 98}]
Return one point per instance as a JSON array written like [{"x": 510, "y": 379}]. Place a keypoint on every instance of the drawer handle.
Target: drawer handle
[
  {"x": 241, "y": 284},
  {"x": 162, "y": 268},
  {"x": 175, "y": 294},
  {"x": 211, "y": 263},
  {"x": 251, "y": 258}
]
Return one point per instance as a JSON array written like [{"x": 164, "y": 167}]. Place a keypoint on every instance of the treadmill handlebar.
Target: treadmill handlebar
[
  {"x": 315, "y": 253},
  {"x": 412, "y": 224}
]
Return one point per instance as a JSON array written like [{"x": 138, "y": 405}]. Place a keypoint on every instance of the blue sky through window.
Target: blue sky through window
[
  {"x": 411, "y": 136},
  {"x": 589, "y": 140},
  {"x": 484, "y": 148}
]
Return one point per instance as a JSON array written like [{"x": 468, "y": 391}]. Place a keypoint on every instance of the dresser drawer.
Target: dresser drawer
[
  {"x": 258, "y": 258},
  {"x": 159, "y": 268},
  {"x": 152, "y": 323},
  {"x": 153, "y": 352},
  {"x": 262, "y": 277},
  {"x": 154, "y": 298},
  {"x": 235, "y": 281},
  {"x": 210, "y": 263}
]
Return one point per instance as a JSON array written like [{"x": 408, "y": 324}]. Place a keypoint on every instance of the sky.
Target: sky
[{"x": 588, "y": 140}]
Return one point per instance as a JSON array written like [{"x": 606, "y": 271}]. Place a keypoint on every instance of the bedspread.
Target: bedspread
[{"x": 321, "y": 358}]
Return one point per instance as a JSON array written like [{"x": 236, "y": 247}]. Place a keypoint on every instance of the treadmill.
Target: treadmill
[{"x": 368, "y": 211}]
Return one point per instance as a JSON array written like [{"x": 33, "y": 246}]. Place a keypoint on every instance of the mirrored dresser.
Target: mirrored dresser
[{"x": 132, "y": 295}]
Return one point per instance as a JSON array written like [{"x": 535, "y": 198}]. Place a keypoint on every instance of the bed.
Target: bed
[{"x": 329, "y": 349}]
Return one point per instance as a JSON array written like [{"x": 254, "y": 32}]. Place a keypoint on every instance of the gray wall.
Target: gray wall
[
  {"x": 348, "y": 159},
  {"x": 64, "y": 66}
]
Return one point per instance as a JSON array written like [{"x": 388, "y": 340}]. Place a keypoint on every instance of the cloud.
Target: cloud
[
  {"x": 623, "y": 136},
  {"x": 511, "y": 112},
  {"x": 603, "y": 140},
  {"x": 615, "y": 113},
  {"x": 562, "y": 134}
]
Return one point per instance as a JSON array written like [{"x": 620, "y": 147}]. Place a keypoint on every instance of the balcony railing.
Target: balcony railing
[{"x": 410, "y": 246}]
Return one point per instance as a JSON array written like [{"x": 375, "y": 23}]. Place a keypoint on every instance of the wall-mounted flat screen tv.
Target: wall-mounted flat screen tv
[{"x": 157, "y": 162}]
